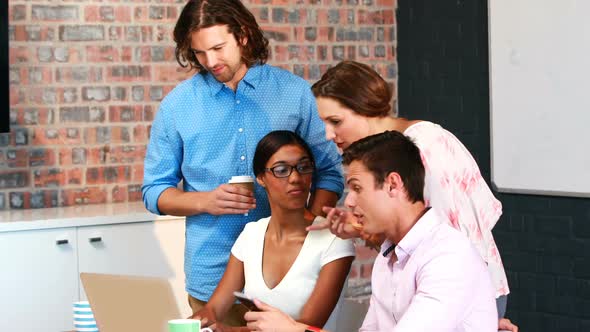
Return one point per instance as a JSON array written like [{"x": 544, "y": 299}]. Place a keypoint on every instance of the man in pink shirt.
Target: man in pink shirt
[{"x": 433, "y": 279}]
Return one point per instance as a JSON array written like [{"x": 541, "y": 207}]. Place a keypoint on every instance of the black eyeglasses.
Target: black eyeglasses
[{"x": 283, "y": 171}]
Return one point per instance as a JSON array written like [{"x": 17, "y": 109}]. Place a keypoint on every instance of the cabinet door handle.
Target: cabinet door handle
[
  {"x": 95, "y": 239},
  {"x": 61, "y": 242}
]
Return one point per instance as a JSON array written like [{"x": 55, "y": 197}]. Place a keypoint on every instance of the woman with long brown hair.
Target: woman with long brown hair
[{"x": 355, "y": 102}]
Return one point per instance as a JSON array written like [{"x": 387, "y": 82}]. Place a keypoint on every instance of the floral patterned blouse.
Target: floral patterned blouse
[{"x": 454, "y": 185}]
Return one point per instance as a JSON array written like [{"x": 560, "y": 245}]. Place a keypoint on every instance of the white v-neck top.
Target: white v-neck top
[{"x": 293, "y": 291}]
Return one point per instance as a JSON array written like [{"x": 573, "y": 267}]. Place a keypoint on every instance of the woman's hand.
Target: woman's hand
[
  {"x": 271, "y": 319},
  {"x": 307, "y": 215},
  {"x": 506, "y": 325},
  {"x": 206, "y": 316}
]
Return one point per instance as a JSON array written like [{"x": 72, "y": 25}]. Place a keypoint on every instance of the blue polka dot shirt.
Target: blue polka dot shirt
[{"x": 204, "y": 133}]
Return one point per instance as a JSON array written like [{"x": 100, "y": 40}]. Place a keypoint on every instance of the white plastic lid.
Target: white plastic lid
[{"x": 241, "y": 178}]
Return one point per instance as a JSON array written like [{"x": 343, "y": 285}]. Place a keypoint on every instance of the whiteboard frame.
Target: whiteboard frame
[{"x": 513, "y": 189}]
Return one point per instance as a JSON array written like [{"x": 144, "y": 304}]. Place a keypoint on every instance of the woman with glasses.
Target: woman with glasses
[{"x": 275, "y": 259}]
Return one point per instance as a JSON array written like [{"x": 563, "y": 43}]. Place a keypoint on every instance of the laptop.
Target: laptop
[{"x": 128, "y": 303}]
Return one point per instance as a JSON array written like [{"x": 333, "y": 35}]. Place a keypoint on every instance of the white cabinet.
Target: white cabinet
[
  {"x": 39, "y": 277},
  {"x": 132, "y": 249}
]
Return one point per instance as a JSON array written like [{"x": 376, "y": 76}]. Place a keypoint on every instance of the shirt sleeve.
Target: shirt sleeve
[
  {"x": 328, "y": 161},
  {"x": 454, "y": 186},
  {"x": 241, "y": 245},
  {"x": 338, "y": 248},
  {"x": 162, "y": 161},
  {"x": 454, "y": 182},
  {"x": 445, "y": 288},
  {"x": 370, "y": 322}
]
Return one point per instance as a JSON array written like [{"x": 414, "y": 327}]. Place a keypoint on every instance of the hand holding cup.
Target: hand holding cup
[
  {"x": 229, "y": 198},
  {"x": 244, "y": 181}
]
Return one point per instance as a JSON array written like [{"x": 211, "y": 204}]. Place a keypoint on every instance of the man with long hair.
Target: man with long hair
[{"x": 206, "y": 131}]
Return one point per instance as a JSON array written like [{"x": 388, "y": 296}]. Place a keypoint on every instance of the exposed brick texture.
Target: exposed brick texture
[
  {"x": 544, "y": 241},
  {"x": 86, "y": 79}
]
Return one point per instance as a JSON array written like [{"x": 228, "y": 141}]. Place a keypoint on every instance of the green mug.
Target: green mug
[{"x": 186, "y": 325}]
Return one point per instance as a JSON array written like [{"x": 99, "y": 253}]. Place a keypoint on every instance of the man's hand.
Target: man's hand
[
  {"x": 229, "y": 199},
  {"x": 344, "y": 225},
  {"x": 271, "y": 320},
  {"x": 341, "y": 223},
  {"x": 506, "y": 325}
]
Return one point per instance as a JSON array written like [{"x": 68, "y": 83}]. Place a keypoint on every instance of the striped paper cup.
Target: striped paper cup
[{"x": 83, "y": 318}]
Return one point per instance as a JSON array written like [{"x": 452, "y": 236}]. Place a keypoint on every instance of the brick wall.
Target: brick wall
[
  {"x": 544, "y": 241},
  {"x": 86, "y": 78}
]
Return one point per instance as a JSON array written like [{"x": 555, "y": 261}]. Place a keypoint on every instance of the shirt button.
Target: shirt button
[
  {"x": 237, "y": 101},
  {"x": 243, "y": 157},
  {"x": 241, "y": 130}
]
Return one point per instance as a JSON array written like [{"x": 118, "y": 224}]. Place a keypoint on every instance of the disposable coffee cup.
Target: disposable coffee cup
[
  {"x": 83, "y": 317},
  {"x": 186, "y": 325},
  {"x": 244, "y": 181}
]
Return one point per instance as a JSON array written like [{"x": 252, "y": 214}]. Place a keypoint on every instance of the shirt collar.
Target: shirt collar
[
  {"x": 214, "y": 85},
  {"x": 406, "y": 247},
  {"x": 253, "y": 75},
  {"x": 387, "y": 247},
  {"x": 252, "y": 78}
]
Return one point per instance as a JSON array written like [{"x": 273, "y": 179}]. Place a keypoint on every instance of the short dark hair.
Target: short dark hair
[
  {"x": 198, "y": 14},
  {"x": 387, "y": 152},
  {"x": 271, "y": 143},
  {"x": 357, "y": 87}
]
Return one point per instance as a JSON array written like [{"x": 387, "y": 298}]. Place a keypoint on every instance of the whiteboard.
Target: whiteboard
[{"x": 540, "y": 96}]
